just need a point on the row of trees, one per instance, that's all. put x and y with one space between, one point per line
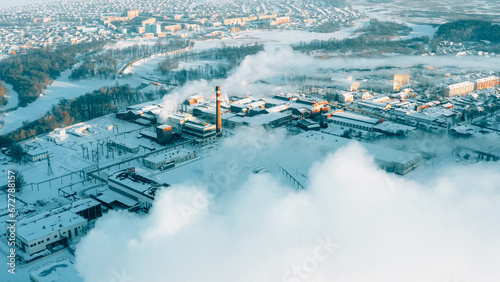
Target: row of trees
365 44
161 46
31 73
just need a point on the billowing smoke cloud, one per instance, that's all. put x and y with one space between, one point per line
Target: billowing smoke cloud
353 222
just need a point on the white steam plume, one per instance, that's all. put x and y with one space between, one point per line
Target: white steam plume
354 222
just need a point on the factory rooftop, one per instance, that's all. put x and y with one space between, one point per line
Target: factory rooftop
46 223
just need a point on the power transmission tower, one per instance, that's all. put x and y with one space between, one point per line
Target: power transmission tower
49 166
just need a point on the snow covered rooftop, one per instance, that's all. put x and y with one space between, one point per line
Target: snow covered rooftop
169 155
46 223
265 119
62 270
355 117
134 179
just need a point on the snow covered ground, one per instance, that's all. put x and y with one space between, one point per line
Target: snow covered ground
61 88
420 30
145 67
277 38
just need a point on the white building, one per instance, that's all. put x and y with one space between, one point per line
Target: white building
459 89
169 159
57 136
36 155
56 227
353 120
49 229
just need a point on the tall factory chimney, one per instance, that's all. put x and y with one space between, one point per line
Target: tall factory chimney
218 125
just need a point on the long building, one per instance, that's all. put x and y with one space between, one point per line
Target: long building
57 227
459 89
487 82
169 159
204 132
354 120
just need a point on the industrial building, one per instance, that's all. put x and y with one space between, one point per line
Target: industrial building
204 132
371 105
125 147
354 120
57 227
195 99
269 120
164 134
177 120
457 89
169 159
58 135
133 185
307 125
36 155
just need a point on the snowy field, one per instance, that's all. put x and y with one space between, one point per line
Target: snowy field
278 38
420 30
61 88
145 67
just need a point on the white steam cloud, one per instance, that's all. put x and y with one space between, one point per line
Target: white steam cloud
354 222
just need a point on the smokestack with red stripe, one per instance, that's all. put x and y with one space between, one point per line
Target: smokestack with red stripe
218 126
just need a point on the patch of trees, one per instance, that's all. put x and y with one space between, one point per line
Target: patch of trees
139 51
233 55
469 30
3 93
201 72
382 28
365 44
104 64
31 73
101 65
86 107
329 26
229 57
